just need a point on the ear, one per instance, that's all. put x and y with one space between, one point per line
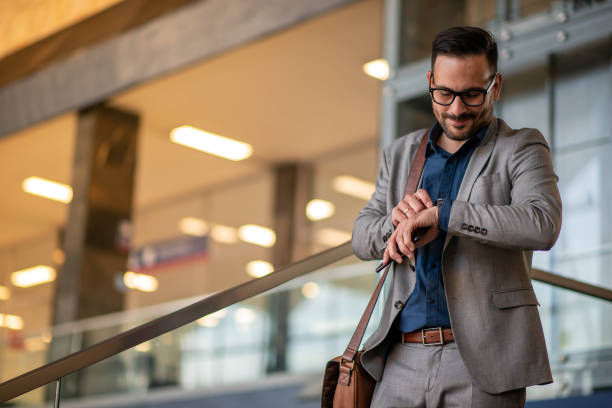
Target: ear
428 77
498 86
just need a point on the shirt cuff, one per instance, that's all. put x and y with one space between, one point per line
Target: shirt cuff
444 214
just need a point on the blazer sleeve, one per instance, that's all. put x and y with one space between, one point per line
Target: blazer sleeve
532 220
374 225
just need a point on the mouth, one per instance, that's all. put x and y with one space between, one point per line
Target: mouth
457 123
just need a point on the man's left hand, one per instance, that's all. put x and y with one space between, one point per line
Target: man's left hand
400 242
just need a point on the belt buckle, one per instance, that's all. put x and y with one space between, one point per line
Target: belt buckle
439 329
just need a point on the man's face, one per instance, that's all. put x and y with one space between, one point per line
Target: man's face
458 120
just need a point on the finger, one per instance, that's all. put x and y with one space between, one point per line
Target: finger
402 247
393 254
408 212
424 197
410 254
407 238
385 257
415 203
397 216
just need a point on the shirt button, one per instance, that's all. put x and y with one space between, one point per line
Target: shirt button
398 304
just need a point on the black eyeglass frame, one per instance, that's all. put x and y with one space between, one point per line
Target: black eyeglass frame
484 92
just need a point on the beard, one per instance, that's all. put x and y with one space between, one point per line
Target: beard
478 121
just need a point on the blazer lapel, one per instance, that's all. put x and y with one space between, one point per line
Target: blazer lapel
477 162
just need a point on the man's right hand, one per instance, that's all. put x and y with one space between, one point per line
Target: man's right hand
411 205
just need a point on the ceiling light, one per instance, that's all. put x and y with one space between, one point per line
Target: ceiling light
46 337
310 290
257 235
224 234
244 316
35 275
319 210
354 187
212 319
378 69
11 321
211 143
332 237
258 269
140 281
143 347
193 226
47 189
5 293
33 344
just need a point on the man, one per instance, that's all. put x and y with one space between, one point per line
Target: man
460 325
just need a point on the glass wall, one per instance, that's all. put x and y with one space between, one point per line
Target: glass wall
30 254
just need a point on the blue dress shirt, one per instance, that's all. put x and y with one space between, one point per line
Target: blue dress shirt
442 176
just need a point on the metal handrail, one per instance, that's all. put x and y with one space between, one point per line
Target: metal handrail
128 339
572 284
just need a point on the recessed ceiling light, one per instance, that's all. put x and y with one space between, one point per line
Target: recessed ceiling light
257 235
211 143
212 319
35 275
258 269
140 281
319 209
12 322
354 187
332 237
5 293
224 234
34 344
143 347
378 69
193 226
47 189
244 316
310 290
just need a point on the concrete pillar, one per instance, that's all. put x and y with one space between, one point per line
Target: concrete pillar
95 256
292 192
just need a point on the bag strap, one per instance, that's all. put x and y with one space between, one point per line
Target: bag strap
351 350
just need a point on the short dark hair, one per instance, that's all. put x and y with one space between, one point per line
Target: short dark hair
464 41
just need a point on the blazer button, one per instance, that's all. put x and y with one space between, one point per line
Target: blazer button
477 230
464 226
483 231
398 304
470 228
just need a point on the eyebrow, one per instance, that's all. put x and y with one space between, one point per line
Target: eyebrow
463 90
474 88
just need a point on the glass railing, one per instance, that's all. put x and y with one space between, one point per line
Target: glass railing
234 351
578 332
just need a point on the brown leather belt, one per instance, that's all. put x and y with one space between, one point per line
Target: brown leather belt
434 336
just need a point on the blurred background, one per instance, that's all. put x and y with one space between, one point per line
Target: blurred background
157 152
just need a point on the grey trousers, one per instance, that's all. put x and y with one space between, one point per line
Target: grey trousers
418 376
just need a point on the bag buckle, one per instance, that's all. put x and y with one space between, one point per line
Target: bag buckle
438 343
351 366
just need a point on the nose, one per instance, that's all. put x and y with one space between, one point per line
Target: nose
457 107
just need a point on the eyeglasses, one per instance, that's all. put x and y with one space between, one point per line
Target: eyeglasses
470 97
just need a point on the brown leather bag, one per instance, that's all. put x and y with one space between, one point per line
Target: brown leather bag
346 383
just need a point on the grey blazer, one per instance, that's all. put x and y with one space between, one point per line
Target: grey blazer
508 205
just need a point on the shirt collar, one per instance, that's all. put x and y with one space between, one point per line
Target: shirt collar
436 131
